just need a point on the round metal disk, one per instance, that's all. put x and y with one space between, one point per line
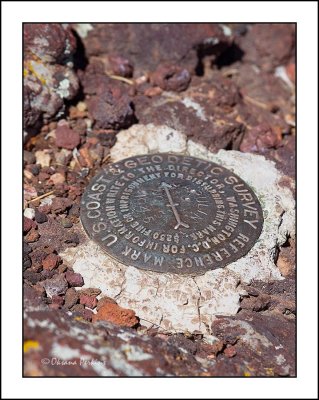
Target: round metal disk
171 213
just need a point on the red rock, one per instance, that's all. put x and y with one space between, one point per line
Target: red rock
148 45
50 42
88 301
71 298
47 50
261 138
50 262
261 45
230 351
32 236
111 108
45 209
171 77
116 314
66 137
74 280
60 204
216 347
27 224
121 66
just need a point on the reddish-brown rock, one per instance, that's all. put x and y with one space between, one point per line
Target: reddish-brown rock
171 77
27 224
260 138
74 280
66 137
88 301
121 66
50 42
111 109
148 45
32 236
268 45
116 314
48 76
50 262
71 298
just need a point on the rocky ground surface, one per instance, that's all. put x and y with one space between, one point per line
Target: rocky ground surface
225 87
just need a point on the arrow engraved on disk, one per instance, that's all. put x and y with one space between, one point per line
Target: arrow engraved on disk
173 205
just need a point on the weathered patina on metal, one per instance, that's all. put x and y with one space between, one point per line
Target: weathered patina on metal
171 213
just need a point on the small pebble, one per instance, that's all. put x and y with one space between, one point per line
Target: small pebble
33 168
71 298
88 301
55 286
40 217
60 204
57 178
47 201
29 213
116 314
48 274
66 223
43 158
153 91
61 157
28 157
28 174
50 262
90 292
43 176
27 224
62 268
66 137
29 192
81 106
26 262
77 308
26 248
32 277
74 280
32 236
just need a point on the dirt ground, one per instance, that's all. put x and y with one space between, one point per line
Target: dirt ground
83 83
